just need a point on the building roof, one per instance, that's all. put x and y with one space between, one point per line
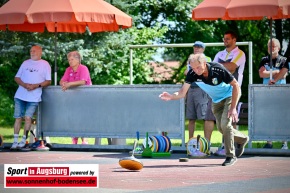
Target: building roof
164 71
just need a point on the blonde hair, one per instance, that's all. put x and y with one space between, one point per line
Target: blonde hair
74 54
197 57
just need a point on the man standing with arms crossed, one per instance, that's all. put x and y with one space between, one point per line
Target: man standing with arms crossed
233 59
279 72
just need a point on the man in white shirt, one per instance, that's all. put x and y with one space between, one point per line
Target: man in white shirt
32 76
234 60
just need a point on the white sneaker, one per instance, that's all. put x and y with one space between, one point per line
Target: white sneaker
14 145
284 146
220 152
21 144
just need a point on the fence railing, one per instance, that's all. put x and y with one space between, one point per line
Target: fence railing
110 112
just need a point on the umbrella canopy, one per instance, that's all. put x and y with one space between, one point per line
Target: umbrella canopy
62 16
211 10
243 10
285 5
249 9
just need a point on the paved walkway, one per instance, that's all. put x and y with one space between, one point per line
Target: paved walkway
250 174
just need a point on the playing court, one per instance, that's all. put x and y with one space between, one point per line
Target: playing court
251 174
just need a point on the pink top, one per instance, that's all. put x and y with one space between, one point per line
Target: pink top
82 73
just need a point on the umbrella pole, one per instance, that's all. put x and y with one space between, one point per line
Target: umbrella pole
271 36
55 54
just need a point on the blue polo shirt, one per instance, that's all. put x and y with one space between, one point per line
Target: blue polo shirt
216 85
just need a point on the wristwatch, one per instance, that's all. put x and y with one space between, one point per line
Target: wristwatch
39 85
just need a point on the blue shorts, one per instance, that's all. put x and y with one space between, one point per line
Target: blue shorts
24 108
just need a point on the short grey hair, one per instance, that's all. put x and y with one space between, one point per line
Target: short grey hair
276 41
37 47
74 54
197 57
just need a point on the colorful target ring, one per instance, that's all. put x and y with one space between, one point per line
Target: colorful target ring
169 146
167 143
163 143
206 145
155 144
202 144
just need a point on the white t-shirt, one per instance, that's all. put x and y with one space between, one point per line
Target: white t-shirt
236 56
32 72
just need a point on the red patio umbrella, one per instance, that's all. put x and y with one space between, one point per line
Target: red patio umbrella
69 15
211 10
247 9
285 5
62 16
242 10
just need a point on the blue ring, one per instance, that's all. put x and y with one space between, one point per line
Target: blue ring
162 144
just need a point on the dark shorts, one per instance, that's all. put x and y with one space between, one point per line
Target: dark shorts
196 104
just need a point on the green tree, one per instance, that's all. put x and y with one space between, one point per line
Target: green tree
106 54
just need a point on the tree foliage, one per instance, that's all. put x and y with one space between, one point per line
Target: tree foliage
106 54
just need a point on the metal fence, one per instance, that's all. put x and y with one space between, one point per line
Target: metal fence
269 112
110 112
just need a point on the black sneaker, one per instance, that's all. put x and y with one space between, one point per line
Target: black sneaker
241 147
229 161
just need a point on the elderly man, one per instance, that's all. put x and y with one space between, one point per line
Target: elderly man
32 76
197 100
279 72
224 91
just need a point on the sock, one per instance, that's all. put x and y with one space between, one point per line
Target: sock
23 139
26 134
16 138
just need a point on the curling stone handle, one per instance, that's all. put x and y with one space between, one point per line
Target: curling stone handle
197 142
138 135
134 147
147 145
